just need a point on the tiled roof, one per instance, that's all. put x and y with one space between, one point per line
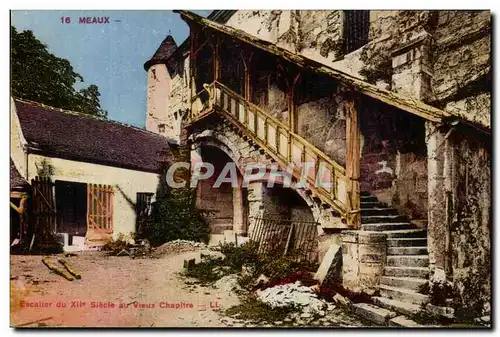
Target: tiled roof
162 54
17 182
221 16
82 137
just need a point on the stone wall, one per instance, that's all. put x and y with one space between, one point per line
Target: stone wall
321 118
178 97
159 84
462 67
363 260
393 158
277 103
313 33
462 50
471 219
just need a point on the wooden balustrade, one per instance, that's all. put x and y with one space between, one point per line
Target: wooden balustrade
321 174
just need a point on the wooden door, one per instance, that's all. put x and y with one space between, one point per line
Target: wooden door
71 206
99 212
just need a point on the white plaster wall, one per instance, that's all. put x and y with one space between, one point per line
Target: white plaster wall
159 83
17 141
128 181
260 23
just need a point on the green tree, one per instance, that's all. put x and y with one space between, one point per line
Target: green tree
39 75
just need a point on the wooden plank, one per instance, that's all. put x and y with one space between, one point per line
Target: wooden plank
353 166
111 208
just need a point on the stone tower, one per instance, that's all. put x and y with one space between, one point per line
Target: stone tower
159 87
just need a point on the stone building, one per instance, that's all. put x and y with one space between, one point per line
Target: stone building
391 107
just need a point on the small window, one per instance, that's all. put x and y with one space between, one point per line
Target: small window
161 128
143 203
356 29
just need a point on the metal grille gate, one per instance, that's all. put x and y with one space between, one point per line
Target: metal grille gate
288 237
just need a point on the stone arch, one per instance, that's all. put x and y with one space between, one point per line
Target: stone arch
242 152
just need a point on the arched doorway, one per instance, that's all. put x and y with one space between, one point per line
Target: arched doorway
225 204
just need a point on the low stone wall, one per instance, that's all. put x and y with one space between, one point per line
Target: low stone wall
363 260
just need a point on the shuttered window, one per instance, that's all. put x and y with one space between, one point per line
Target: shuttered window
100 208
356 29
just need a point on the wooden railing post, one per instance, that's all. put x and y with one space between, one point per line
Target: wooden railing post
353 165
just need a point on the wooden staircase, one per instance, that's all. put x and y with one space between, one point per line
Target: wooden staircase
327 182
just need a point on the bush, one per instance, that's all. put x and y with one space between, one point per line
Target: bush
275 266
237 256
255 310
206 271
175 216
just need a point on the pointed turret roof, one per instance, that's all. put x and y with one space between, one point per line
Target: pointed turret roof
164 51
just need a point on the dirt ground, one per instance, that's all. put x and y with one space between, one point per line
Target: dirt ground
121 292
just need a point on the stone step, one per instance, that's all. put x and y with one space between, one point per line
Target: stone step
220 228
402 321
403 295
373 313
383 218
401 307
420 272
408 260
412 283
406 242
369 198
365 194
367 211
380 227
406 233
371 204
407 250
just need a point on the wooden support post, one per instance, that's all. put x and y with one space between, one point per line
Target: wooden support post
353 165
192 69
215 49
291 77
292 104
246 57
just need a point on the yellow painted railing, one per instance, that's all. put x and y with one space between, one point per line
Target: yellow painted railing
324 176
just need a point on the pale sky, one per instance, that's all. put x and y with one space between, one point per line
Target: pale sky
108 55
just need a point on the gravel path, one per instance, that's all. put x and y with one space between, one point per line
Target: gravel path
122 292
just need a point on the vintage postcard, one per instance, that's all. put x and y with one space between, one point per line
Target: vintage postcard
250 168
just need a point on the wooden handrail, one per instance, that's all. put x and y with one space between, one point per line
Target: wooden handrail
307 144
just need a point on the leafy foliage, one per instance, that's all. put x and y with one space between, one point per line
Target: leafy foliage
46 169
275 266
255 310
39 75
175 216
207 271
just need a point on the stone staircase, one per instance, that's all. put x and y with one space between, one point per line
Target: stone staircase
407 265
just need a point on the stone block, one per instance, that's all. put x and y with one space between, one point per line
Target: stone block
403 321
331 266
435 310
229 236
373 313
79 241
